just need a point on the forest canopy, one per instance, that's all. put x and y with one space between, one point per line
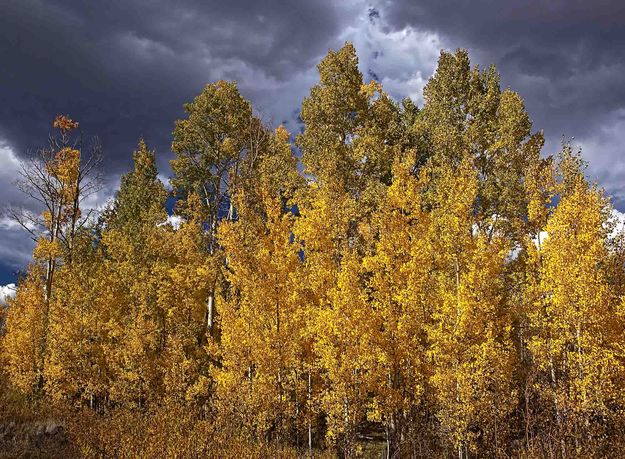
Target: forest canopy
432 284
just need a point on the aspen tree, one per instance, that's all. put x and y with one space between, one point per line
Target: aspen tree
344 150
219 134
185 278
260 386
470 343
575 347
540 191
399 270
133 239
22 330
466 113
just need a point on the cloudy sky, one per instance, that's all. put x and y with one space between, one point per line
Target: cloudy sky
123 68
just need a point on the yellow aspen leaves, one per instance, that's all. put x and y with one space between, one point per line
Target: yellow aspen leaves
395 281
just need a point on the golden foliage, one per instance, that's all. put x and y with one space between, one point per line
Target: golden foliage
431 286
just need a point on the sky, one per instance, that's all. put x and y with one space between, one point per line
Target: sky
124 68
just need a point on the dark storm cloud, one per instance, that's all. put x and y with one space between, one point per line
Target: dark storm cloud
566 58
124 68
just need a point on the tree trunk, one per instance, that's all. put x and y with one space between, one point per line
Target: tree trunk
309 414
210 311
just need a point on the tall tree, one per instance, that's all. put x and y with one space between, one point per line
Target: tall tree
134 241
215 145
466 113
576 346
398 285
353 133
260 383
185 278
470 344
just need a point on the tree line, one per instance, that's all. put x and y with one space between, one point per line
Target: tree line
430 285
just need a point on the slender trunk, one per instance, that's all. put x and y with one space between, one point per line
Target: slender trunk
231 211
280 364
390 425
74 219
580 362
50 269
348 433
457 292
557 405
580 365
210 314
527 416
309 413
460 455
45 325
210 306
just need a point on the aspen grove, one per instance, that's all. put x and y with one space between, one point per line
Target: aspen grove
395 281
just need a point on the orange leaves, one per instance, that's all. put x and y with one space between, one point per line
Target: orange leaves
64 123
